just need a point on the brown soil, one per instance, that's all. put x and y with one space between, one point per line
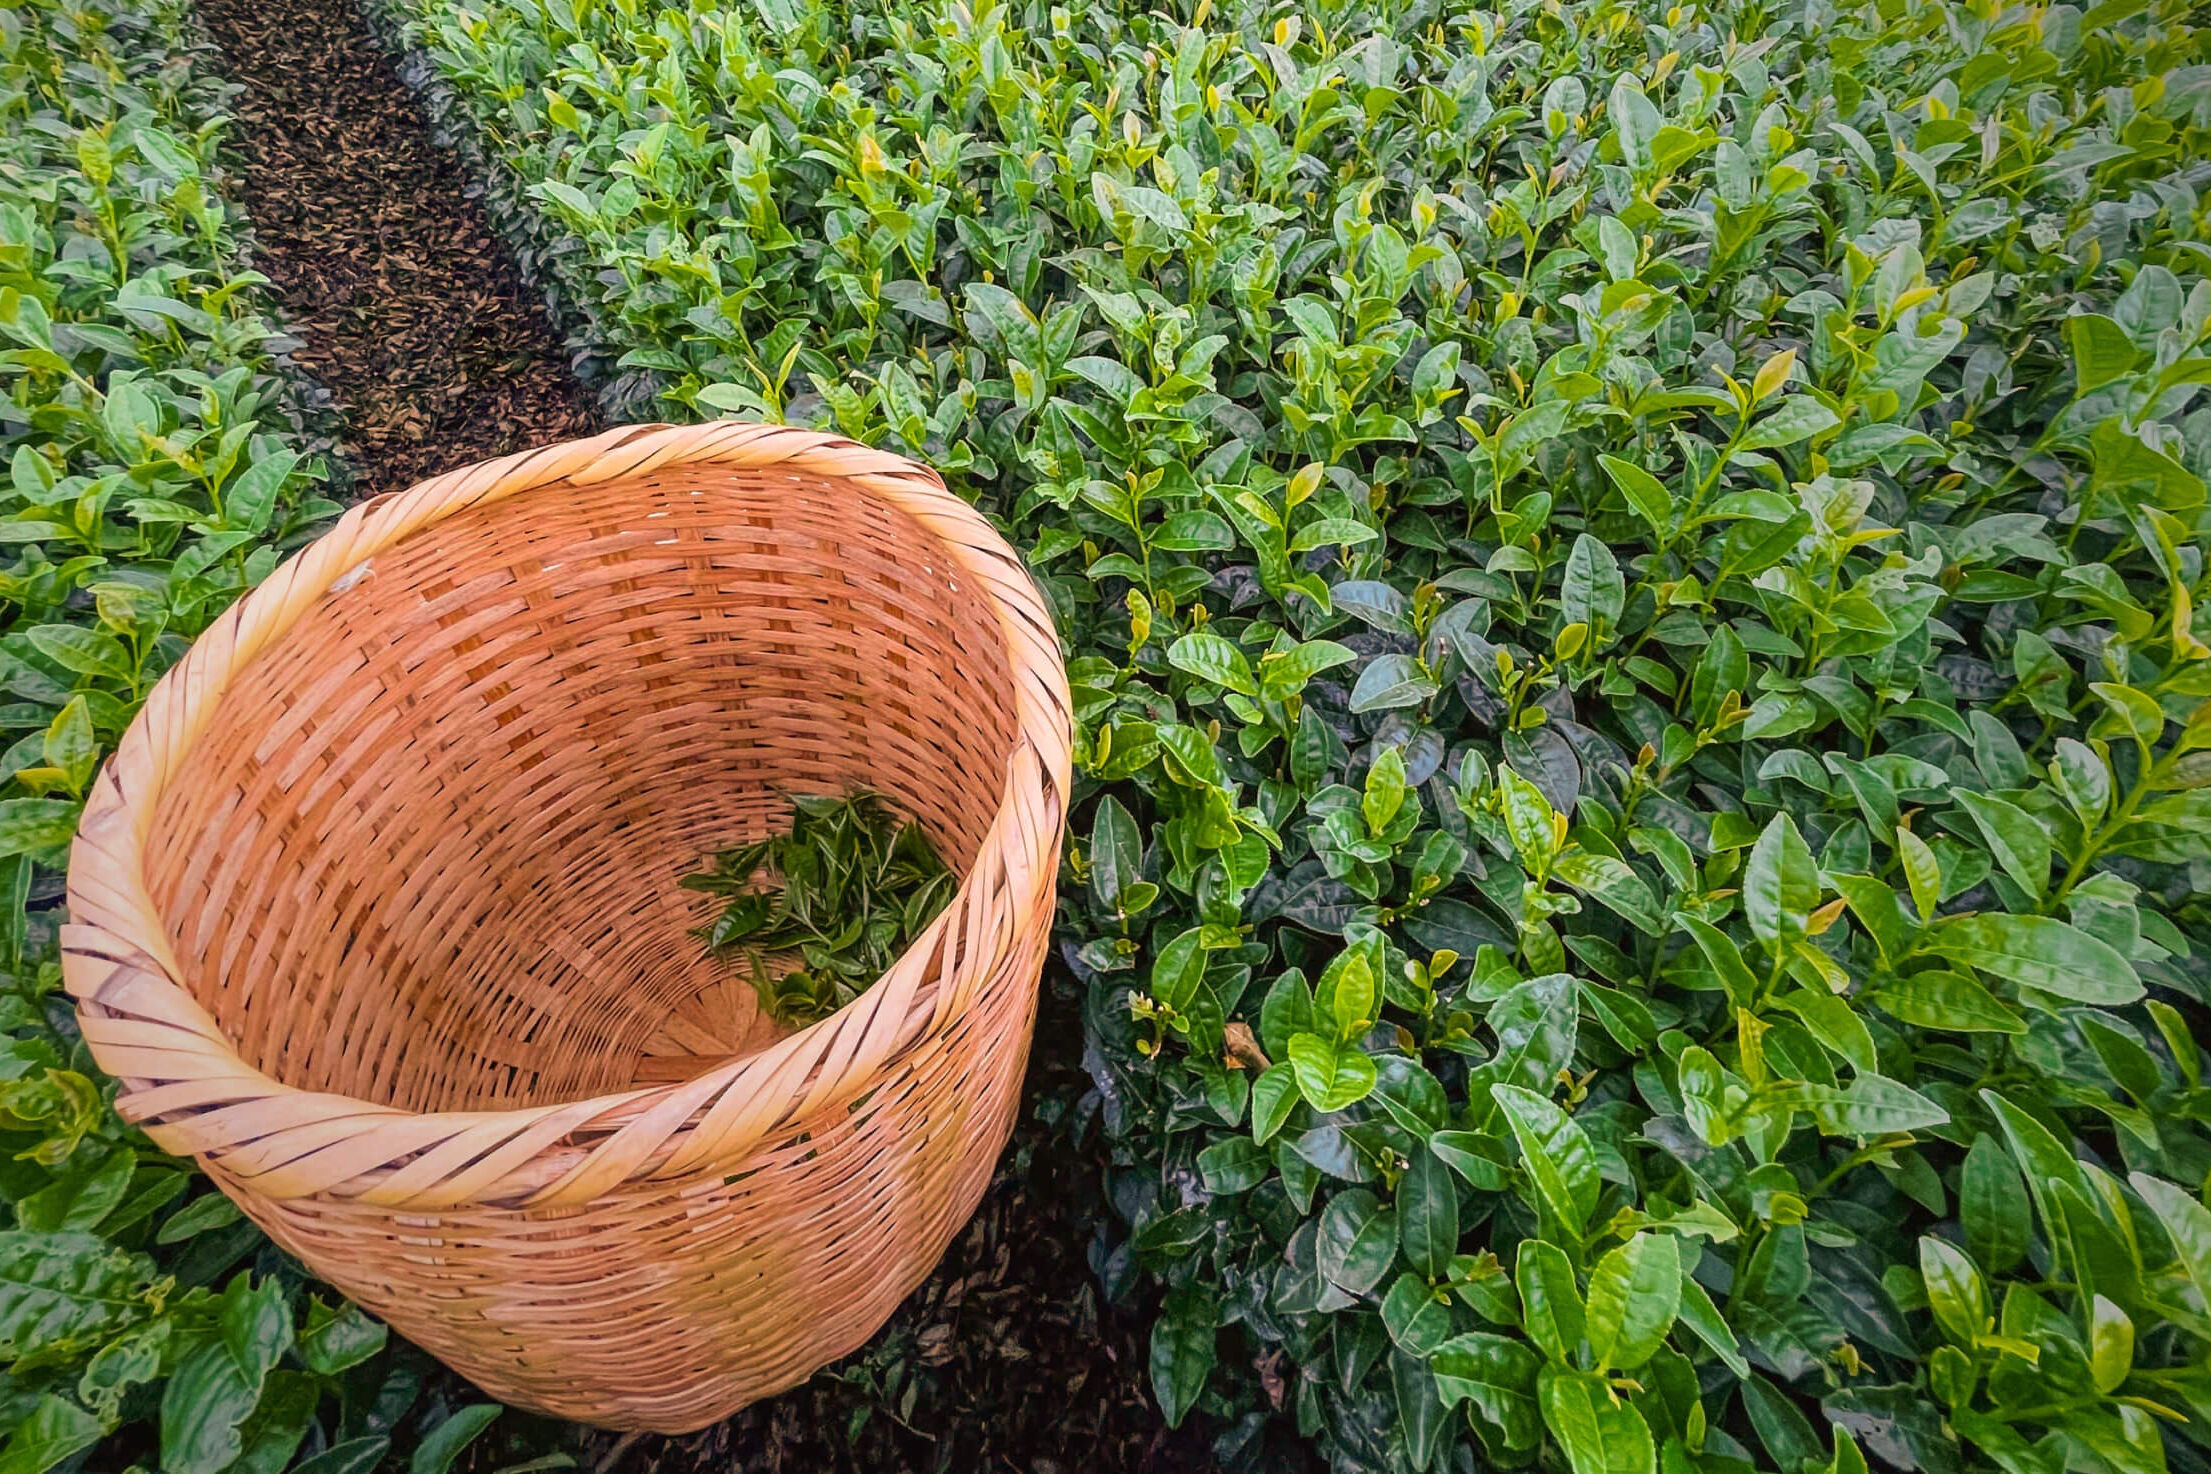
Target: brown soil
435 351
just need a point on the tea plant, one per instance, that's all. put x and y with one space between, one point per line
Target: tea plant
1633 576
839 895
154 472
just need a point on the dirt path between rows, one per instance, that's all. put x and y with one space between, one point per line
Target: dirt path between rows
411 313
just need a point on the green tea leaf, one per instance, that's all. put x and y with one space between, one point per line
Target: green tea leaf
1594 592
54 1429
1799 417
1179 969
1330 1075
1428 1214
354 1456
2110 1345
1183 1350
1781 884
444 1443
1551 1304
1555 1153
1704 1320
2187 1223
1634 1294
1599 1433
1211 658
338 1337
1954 1290
2019 842
1993 1206
1948 1000
1645 492
2039 952
1358 1241
1498 1376
1874 1105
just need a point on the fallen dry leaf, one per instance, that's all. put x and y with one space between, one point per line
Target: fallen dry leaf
1241 1049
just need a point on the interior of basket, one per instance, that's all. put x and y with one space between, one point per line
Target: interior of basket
429 851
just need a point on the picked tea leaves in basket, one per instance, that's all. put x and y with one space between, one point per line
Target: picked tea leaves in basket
841 894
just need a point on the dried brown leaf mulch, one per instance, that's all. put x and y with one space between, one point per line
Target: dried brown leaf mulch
412 315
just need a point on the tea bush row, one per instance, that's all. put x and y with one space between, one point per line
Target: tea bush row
1634 577
155 467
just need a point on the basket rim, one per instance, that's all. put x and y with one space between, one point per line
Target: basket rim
186 1085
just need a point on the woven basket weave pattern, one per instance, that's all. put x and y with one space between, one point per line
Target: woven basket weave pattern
376 910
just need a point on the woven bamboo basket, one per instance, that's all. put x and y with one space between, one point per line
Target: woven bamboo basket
375 911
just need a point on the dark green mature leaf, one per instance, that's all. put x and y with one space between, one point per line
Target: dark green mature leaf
1594 591
2043 1160
1498 1375
1233 1165
1116 852
1183 1349
444 1443
1940 999
1358 1241
354 1456
1418 1321
1645 492
1179 969
1421 1412
1993 1206
1610 881
210 1210
54 1429
1389 682
1535 1025
29 825
278 1424
338 1337
207 1398
1781 1426
254 1324
1428 1214
2018 841
1875 1105
2187 1223
1703 1318
1725 957
86 1192
66 1288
